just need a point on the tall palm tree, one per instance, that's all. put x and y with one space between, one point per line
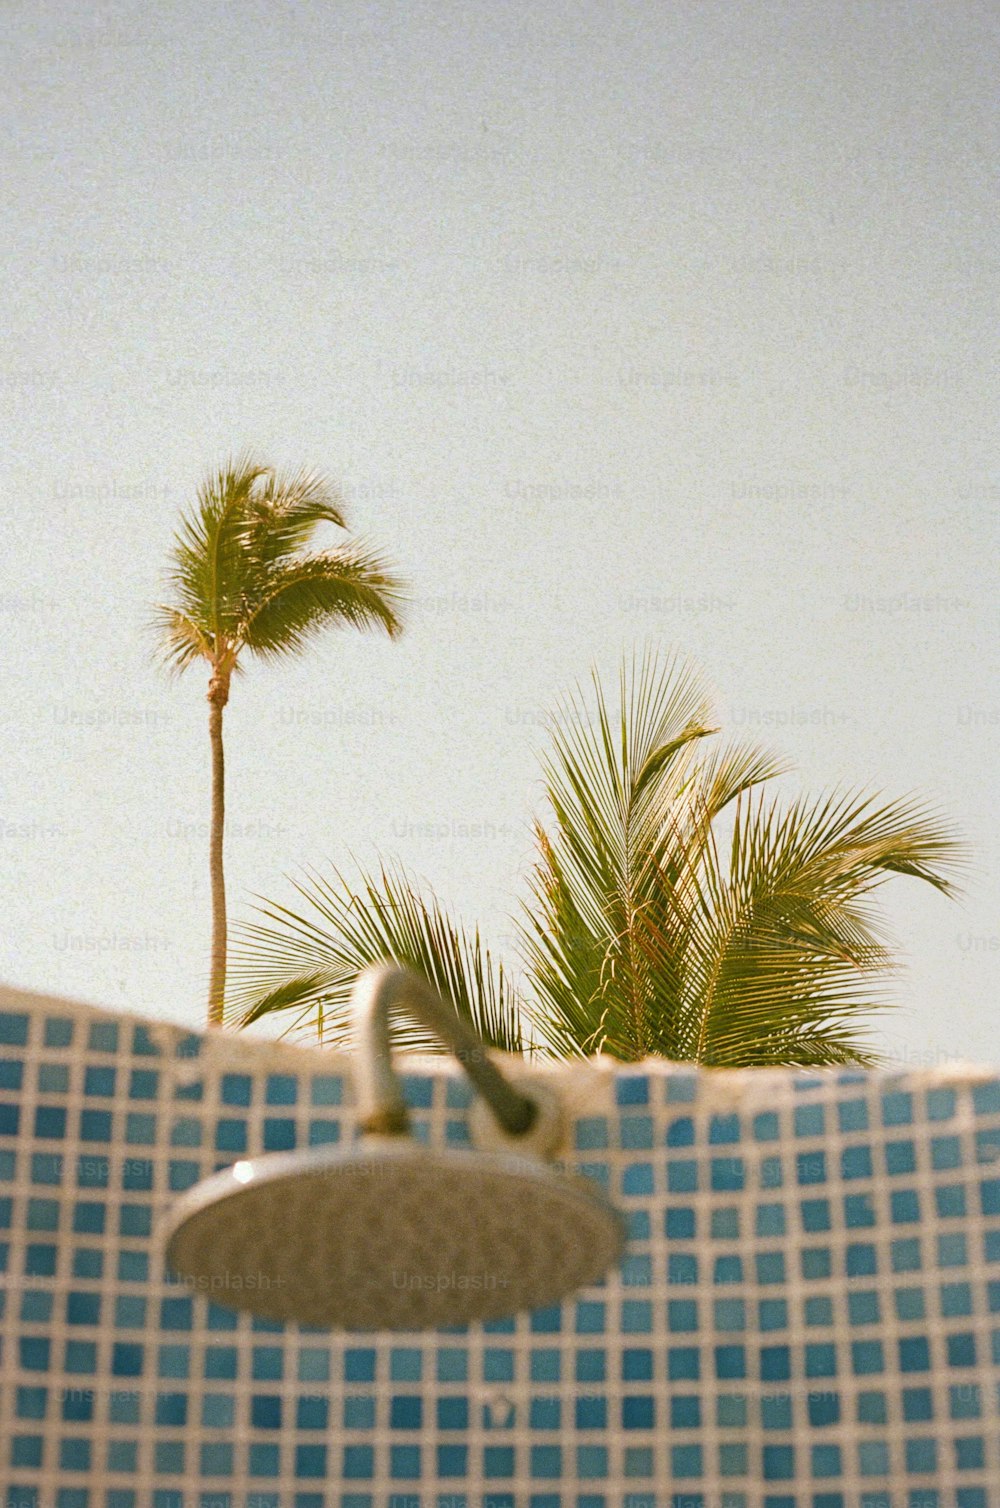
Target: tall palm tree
245 582
676 906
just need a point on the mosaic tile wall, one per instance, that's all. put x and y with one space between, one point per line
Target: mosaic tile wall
807 1315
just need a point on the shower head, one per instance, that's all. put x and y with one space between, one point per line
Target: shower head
391 1234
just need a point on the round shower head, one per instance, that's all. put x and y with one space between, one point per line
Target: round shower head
391 1235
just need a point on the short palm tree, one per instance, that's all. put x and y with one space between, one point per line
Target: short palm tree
676 907
245 582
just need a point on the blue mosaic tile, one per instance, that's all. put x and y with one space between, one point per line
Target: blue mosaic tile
807 1314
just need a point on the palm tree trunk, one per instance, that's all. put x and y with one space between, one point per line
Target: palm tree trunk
218 695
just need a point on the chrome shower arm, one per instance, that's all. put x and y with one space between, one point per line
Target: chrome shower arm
378 992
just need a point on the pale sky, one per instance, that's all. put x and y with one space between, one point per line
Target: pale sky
668 322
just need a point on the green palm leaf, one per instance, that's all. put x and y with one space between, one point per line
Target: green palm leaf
633 797
785 944
210 557
308 960
286 509
302 597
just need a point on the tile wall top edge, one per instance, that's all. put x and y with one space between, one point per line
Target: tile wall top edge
717 1088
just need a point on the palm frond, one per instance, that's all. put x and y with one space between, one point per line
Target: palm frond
210 561
287 508
181 641
565 955
728 771
632 793
351 585
308 961
784 942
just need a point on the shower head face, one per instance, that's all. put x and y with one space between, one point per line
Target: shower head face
390 1235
